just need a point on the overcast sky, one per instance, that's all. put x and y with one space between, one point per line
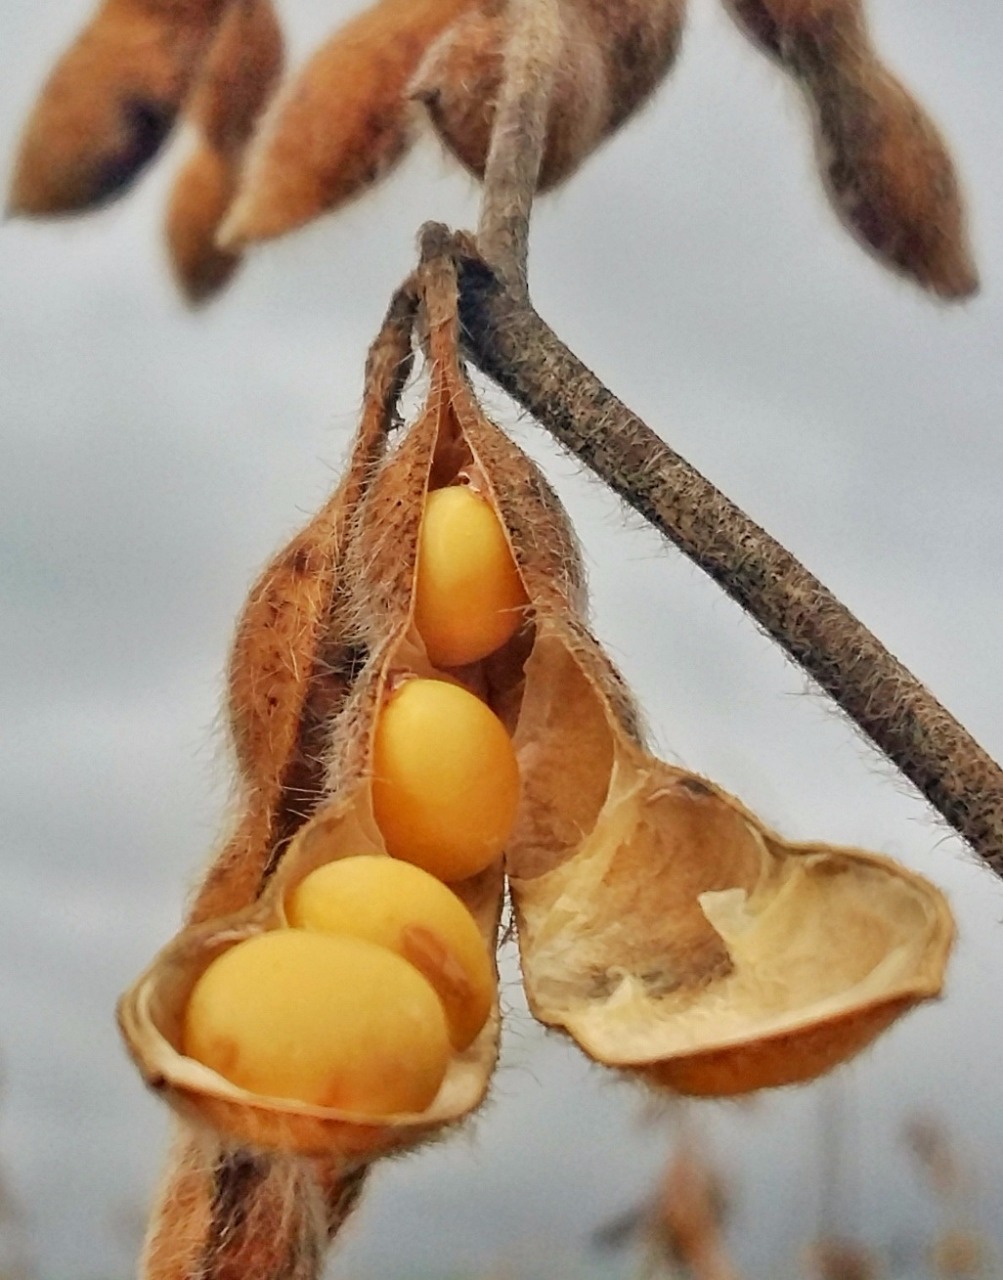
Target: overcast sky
154 459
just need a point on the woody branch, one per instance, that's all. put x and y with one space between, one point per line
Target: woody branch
518 136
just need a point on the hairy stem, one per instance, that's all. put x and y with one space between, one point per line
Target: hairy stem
518 136
508 341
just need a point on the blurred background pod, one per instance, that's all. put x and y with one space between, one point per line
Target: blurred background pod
340 123
887 170
236 81
612 58
109 103
239 75
200 196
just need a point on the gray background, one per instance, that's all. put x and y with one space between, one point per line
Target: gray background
153 459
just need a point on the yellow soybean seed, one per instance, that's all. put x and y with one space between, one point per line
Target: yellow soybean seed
329 1021
469 597
445 779
399 906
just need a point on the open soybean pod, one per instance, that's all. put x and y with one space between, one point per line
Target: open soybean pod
219 1209
372 608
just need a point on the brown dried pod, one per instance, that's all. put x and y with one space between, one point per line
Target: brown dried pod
611 60
373 611
240 73
341 124
109 103
199 199
292 662
226 1213
839 1258
886 167
238 77
219 1212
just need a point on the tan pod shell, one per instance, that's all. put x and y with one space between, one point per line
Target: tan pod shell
667 930
375 584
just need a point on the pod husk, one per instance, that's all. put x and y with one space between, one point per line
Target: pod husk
293 660
668 930
220 1209
660 923
340 124
886 168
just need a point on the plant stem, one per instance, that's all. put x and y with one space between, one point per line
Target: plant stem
518 137
507 339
